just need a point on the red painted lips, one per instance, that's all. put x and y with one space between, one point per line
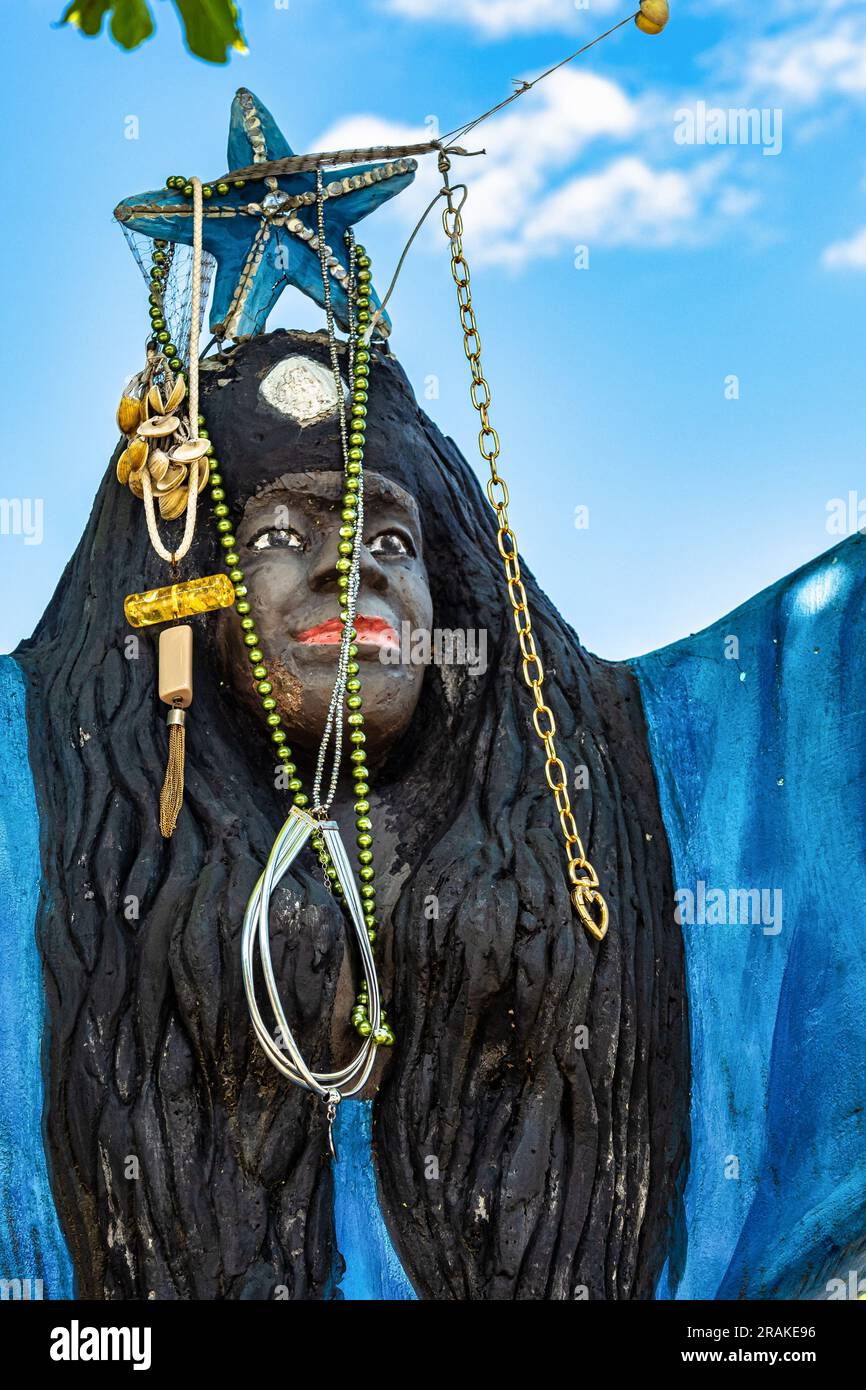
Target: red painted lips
376 632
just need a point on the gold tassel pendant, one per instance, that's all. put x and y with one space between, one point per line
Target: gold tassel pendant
171 796
175 689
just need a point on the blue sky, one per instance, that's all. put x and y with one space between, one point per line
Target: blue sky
611 383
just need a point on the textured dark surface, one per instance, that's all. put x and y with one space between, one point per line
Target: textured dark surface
558 1167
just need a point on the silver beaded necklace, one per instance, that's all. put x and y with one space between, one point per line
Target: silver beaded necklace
300 825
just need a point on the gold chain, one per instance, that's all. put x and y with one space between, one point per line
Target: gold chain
585 895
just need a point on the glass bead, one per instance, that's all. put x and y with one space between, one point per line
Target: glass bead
179 600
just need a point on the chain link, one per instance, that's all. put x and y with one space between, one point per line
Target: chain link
585 895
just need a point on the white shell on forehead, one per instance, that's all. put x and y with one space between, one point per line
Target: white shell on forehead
302 389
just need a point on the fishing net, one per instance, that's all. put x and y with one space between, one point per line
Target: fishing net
177 294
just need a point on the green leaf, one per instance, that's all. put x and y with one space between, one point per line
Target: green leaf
86 15
131 22
212 28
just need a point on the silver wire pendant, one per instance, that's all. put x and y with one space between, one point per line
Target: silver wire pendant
334 1086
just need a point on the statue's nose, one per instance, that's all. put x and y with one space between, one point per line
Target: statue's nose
324 574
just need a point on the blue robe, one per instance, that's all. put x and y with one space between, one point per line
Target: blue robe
756 731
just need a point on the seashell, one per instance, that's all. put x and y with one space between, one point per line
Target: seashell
132 459
178 392
174 505
154 401
136 486
172 478
128 414
203 473
191 449
158 465
158 426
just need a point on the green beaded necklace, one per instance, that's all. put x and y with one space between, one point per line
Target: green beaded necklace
353 475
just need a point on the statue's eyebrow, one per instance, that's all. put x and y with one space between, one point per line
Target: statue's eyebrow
311 490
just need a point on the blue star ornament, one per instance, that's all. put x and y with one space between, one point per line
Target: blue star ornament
263 231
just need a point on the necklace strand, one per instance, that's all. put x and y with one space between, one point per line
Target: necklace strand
353 438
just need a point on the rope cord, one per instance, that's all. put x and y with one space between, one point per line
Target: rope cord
173 558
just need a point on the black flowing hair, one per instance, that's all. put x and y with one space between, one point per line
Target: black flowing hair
531 1129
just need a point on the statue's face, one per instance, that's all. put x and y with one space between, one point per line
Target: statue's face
288 541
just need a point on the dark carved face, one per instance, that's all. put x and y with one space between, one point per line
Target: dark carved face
288 540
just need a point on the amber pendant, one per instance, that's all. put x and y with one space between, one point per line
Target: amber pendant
179 600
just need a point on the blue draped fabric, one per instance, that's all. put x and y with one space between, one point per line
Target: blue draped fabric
759 746
373 1271
32 1247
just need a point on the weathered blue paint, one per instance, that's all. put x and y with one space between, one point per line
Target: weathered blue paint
32 1247
761 764
373 1271
286 260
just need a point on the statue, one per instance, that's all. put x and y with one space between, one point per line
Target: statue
550 1112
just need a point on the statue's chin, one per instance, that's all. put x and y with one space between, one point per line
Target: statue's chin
303 686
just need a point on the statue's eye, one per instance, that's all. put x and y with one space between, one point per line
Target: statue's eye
273 538
390 543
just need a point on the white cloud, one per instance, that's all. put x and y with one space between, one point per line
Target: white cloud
497 19
628 202
527 200
847 255
810 62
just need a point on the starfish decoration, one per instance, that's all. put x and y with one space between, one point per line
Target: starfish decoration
264 234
